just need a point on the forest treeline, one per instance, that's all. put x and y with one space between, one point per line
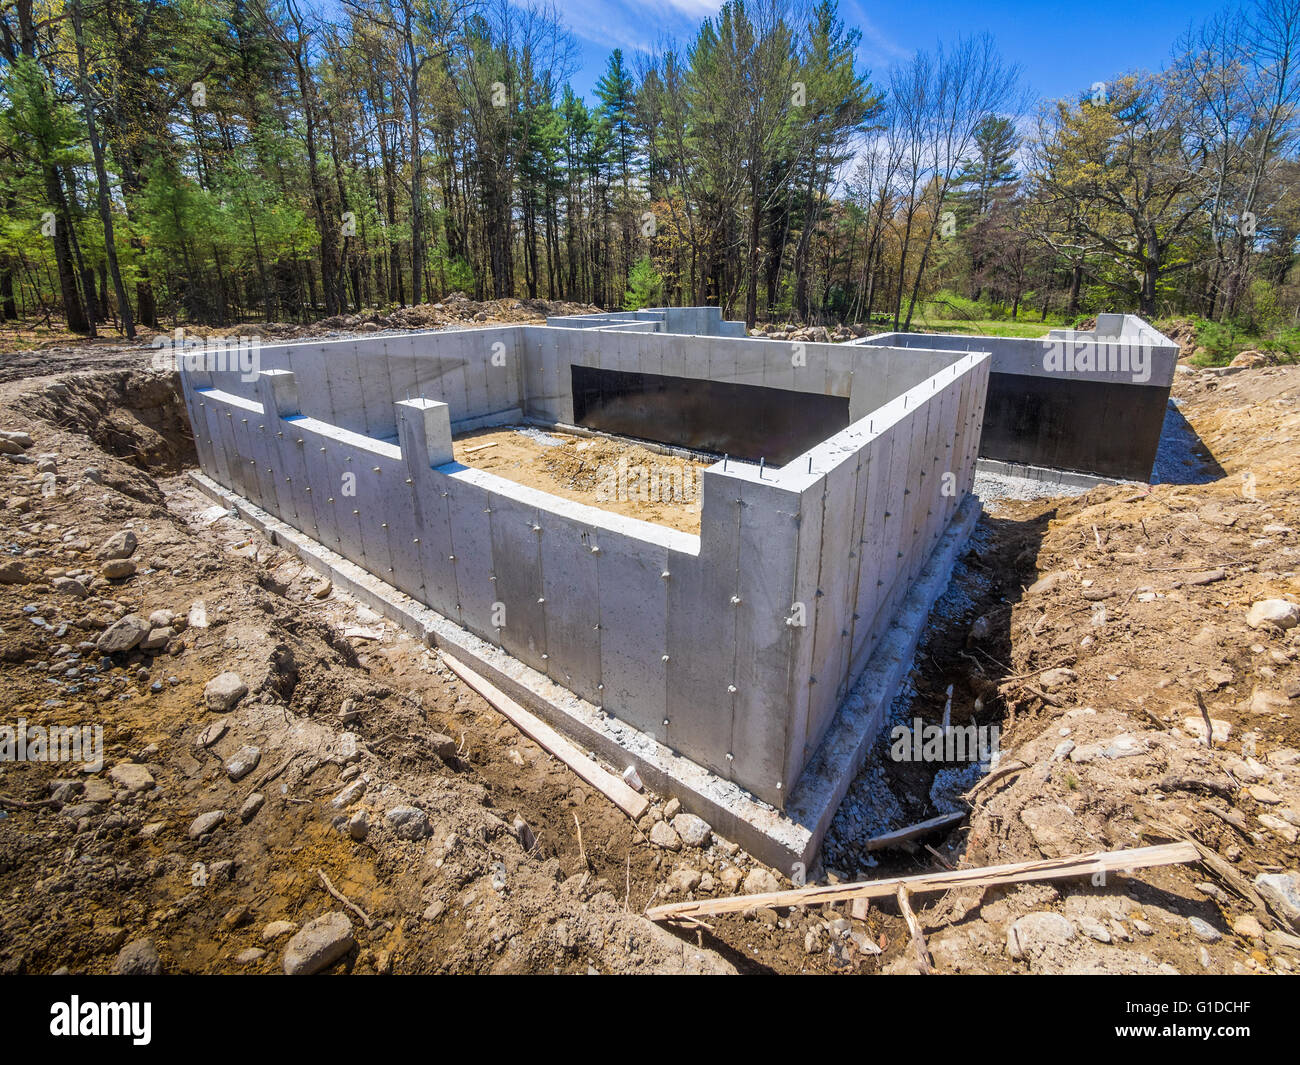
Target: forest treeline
167 162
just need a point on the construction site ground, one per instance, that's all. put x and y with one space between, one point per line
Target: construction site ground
610 473
1084 628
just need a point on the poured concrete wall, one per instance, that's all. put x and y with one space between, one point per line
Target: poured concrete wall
694 321
733 647
1092 401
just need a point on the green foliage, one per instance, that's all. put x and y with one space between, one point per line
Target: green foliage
645 286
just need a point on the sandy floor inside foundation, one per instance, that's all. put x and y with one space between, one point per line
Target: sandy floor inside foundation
616 475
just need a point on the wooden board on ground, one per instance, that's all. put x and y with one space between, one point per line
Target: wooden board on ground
540 732
987 876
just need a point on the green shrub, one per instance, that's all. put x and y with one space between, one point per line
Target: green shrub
645 286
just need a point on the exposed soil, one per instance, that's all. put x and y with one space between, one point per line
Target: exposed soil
88 865
615 475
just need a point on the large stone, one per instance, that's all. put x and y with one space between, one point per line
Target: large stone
1273 612
119 545
1282 892
243 762
12 572
663 835
223 691
131 776
1038 933
139 958
760 881
69 586
694 830
206 822
319 945
409 822
122 635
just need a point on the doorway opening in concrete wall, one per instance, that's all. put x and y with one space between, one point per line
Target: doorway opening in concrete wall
753 422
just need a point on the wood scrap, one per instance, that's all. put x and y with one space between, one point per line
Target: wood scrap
909 832
480 447
612 787
1071 867
923 960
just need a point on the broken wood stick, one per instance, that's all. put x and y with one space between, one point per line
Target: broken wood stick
902 835
923 959
541 733
1016 872
365 918
480 447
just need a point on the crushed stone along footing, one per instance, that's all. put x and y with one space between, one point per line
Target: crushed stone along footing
786 841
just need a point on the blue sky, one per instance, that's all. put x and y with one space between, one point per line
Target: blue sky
1062 47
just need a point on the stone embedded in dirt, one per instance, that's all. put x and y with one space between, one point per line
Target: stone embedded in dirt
223 691
350 794
1047 583
319 945
206 822
1035 933
161 619
18 436
695 831
1248 927
251 805
1265 702
1273 612
276 929
684 881
1093 928
1125 745
9 447
249 956
760 881
69 586
243 762
359 825
93 474
157 639
662 835
409 822
132 776
119 545
13 573
211 734
443 746
1282 892
730 878
323 590
1052 679
122 635
139 958
1283 829
672 809
523 833
117 569
1220 730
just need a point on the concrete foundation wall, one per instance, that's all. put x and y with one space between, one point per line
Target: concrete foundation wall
694 321
733 647
1090 401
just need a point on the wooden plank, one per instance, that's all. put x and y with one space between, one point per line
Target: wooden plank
987 876
540 732
902 835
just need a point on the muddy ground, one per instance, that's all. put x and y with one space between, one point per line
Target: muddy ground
1084 627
